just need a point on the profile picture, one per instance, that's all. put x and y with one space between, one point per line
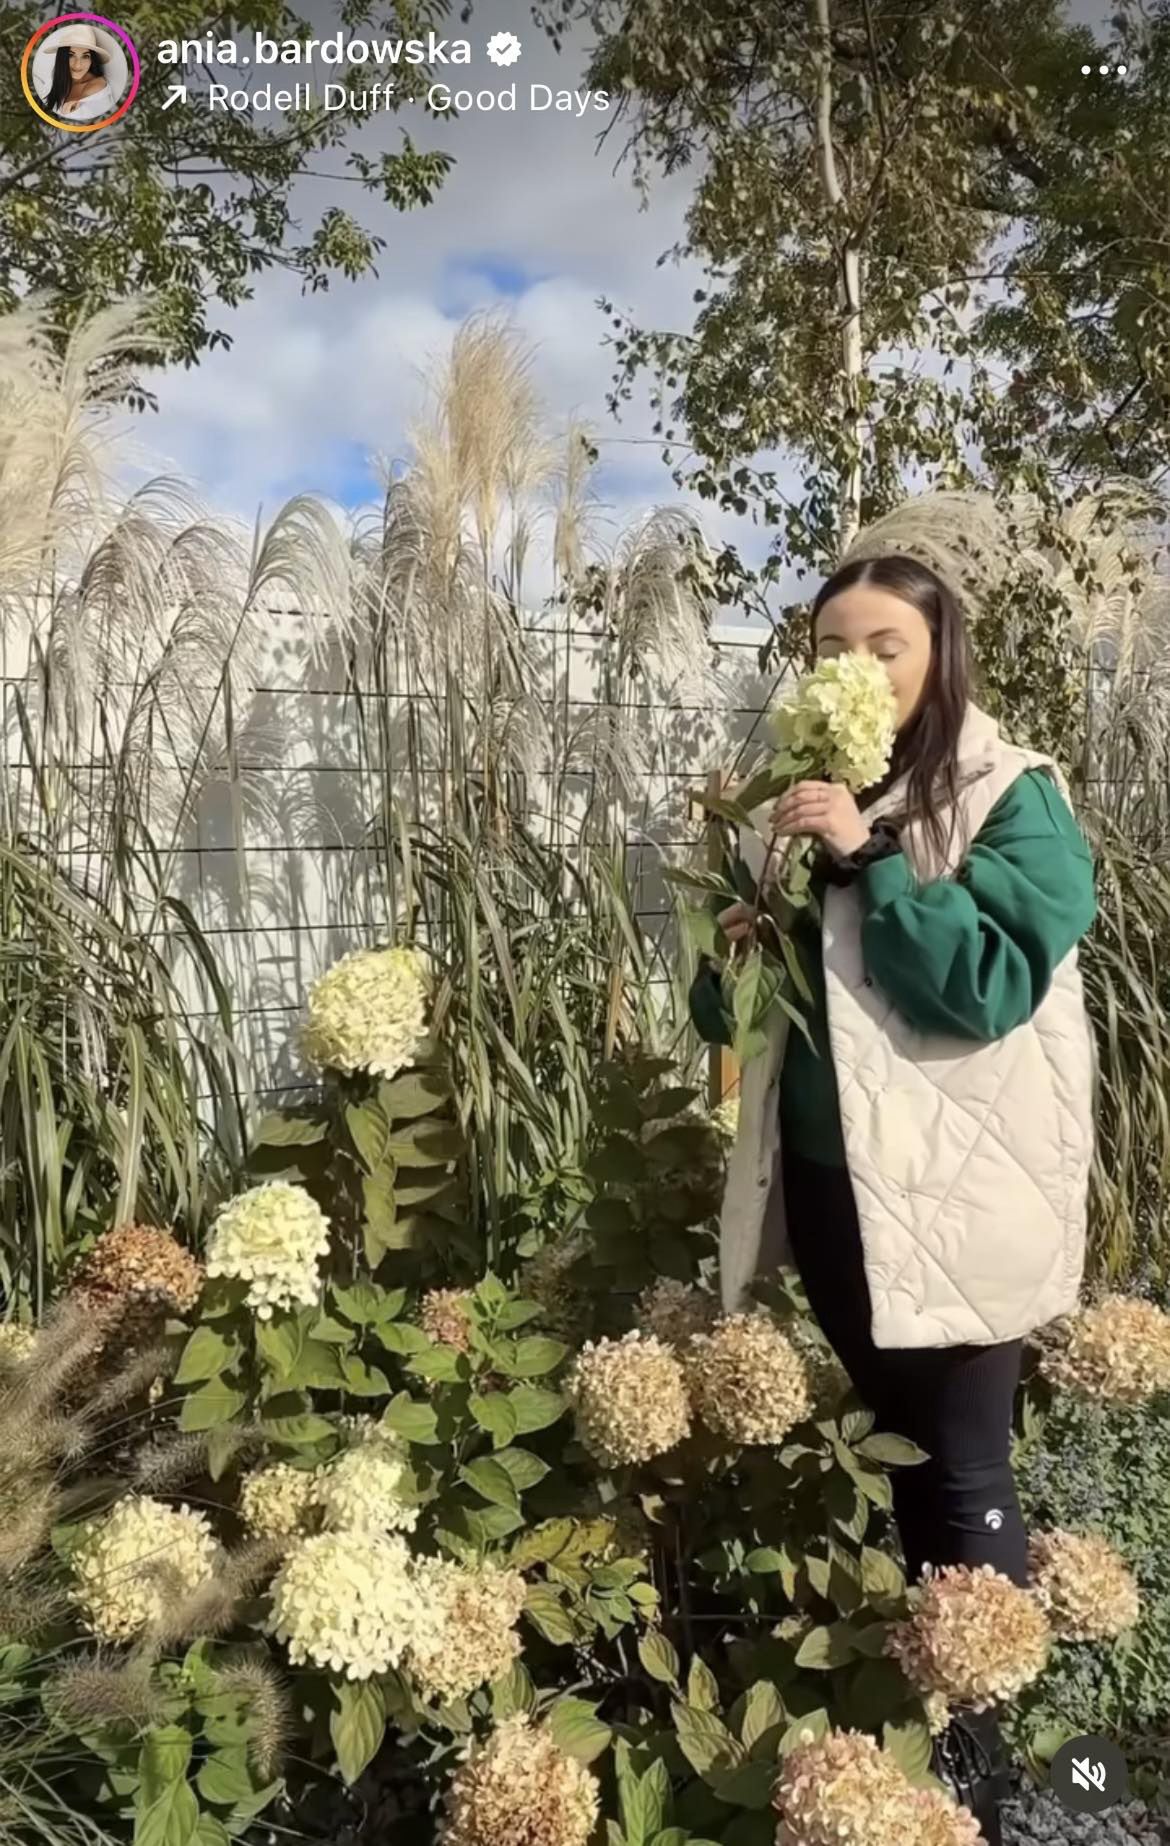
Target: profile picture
80 72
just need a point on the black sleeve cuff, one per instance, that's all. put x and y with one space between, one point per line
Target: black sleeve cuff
884 841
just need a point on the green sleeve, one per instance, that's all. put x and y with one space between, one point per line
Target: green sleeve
973 956
711 1019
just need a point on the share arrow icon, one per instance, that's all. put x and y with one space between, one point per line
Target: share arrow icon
176 94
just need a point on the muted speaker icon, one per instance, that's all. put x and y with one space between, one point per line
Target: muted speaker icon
1088 1774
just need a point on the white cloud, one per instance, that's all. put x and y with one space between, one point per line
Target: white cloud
311 385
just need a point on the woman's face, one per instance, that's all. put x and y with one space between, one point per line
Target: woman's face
865 619
78 63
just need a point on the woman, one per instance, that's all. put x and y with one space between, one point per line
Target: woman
925 1163
80 90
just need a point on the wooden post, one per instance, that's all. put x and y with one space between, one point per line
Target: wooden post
722 1064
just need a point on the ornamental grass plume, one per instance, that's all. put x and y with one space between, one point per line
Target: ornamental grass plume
347 1601
443 1317
843 1790
746 1380
1083 1585
272 1237
519 1789
1117 1352
138 1265
672 1311
839 723
368 1012
973 1636
630 1399
278 1500
138 1561
471 1636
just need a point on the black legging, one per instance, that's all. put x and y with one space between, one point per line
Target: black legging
960 1506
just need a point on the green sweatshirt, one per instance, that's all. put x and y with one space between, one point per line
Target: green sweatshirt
970 956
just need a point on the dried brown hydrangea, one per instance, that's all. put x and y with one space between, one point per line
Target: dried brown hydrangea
843 1790
519 1789
747 1381
974 1636
443 1317
1083 1585
1118 1351
469 1637
141 1266
673 1311
630 1399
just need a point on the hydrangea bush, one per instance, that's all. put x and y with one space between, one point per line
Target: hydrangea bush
549 1548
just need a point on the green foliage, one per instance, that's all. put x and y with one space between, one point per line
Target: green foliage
1087 1468
144 217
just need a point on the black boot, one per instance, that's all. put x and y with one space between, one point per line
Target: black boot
971 1762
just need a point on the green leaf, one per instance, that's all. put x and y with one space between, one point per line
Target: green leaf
363 1380
425 1144
211 1832
370 1133
331 1332
492 1481
400 1336
206 1354
412 1094
548 1615
496 1414
357 1725
214 1403
513 1693
577 1730
542 1544
658 1657
823 1648
288 1131
748 1785
536 1356
534 1408
891 1451
442 1365
225 1778
414 1421
910 1746
166 1812
526 1470
764 1718
297 1432
489 1523
364 1303
764 1561
643 1802
705 1740
810 1728
702 1687
880 1576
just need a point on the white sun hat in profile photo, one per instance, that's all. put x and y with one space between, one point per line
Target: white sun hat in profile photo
84 37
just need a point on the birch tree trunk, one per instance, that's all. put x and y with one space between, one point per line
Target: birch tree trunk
848 292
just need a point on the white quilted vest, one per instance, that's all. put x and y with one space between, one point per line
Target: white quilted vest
969 1162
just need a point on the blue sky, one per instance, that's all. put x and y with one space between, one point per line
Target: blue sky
534 217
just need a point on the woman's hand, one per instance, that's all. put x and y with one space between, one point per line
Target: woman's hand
827 811
737 921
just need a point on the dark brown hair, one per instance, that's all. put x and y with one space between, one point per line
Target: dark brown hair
926 751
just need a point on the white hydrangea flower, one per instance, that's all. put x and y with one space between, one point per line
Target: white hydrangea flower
840 721
276 1501
272 1237
725 1119
361 1490
133 1565
16 1342
347 1601
368 1012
